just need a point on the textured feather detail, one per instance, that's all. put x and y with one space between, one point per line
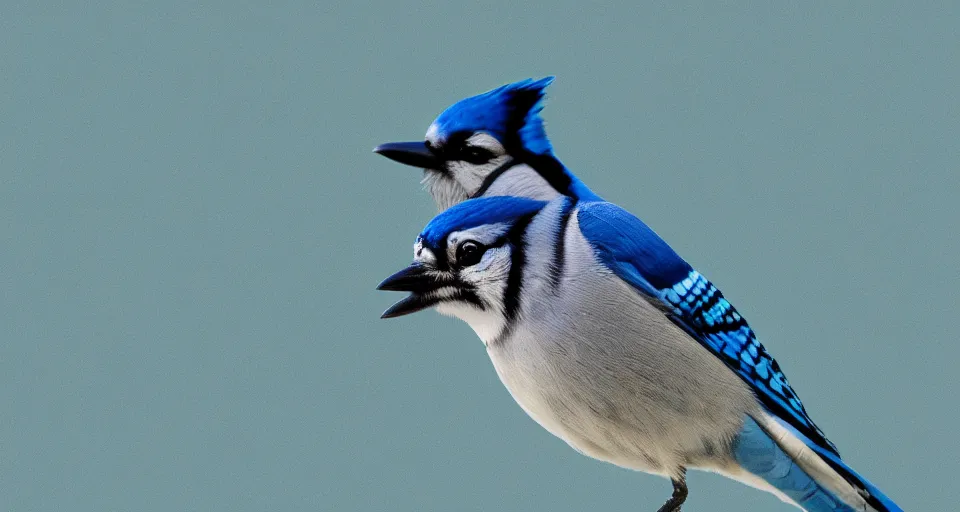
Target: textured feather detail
790 439
526 99
621 240
510 112
700 304
760 454
640 257
484 210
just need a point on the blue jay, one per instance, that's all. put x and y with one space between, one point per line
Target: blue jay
613 343
489 145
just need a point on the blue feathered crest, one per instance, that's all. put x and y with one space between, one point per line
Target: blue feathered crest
510 112
477 212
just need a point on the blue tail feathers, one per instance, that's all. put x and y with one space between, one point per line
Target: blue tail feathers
873 496
759 454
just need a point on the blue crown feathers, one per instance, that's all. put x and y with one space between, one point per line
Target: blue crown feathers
477 212
511 113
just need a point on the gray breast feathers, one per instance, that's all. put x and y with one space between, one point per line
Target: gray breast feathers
601 367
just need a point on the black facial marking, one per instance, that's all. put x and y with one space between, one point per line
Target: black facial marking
475 155
469 296
440 255
496 173
511 294
556 266
517 262
455 148
547 166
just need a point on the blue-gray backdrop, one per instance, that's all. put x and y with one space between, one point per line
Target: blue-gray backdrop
192 226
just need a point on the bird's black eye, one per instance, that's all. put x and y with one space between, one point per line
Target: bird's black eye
469 253
474 155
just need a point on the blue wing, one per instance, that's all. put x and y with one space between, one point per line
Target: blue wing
636 254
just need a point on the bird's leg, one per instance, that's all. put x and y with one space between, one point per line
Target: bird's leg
679 493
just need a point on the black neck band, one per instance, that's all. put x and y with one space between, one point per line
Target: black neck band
488 181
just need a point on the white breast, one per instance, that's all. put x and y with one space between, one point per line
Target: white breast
599 366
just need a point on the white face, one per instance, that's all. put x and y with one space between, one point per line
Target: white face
478 261
467 163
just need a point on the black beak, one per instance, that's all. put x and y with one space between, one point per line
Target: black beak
410 153
419 282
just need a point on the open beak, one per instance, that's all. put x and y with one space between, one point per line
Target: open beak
419 281
415 154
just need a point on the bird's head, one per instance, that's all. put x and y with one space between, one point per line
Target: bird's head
467 263
477 140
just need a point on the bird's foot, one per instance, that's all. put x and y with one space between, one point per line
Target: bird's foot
679 494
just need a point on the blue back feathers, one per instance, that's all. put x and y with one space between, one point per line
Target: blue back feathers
636 254
477 212
625 244
511 113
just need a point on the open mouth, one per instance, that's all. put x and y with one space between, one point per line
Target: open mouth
426 289
423 285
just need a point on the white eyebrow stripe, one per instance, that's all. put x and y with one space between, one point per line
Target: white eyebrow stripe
423 254
486 234
484 140
433 133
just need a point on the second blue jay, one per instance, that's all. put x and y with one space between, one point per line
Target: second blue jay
491 144
612 342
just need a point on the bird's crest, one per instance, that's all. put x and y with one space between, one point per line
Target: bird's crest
510 112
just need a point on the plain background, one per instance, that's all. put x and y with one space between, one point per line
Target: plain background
192 226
